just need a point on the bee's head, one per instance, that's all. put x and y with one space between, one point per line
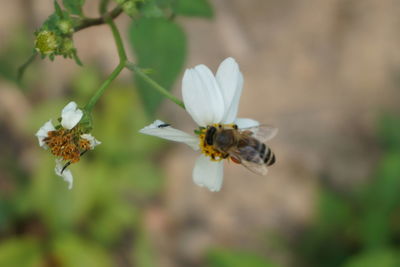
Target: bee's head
211 130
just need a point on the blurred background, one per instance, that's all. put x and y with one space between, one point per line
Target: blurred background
326 73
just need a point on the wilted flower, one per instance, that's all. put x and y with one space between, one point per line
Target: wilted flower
210 100
67 141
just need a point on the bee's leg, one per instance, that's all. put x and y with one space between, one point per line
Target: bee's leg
235 160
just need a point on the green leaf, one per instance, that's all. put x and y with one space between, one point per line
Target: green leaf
159 44
58 9
150 9
194 8
382 258
227 258
74 6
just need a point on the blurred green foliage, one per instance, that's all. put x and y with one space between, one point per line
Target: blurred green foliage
360 227
231 258
86 226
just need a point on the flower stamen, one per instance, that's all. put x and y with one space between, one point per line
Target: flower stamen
67 144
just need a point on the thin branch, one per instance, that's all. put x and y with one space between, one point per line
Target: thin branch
88 22
131 66
122 61
21 69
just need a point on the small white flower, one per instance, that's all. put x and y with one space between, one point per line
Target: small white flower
93 141
209 100
66 142
66 174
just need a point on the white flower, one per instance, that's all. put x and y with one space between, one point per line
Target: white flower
70 116
66 142
66 174
209 100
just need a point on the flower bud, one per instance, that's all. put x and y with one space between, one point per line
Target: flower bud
65 26
46 42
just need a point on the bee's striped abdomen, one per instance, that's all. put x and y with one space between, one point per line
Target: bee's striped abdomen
267 155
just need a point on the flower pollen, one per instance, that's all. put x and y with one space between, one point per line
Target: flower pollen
207 149
66 144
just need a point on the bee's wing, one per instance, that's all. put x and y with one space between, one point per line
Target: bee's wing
262 132
256 165
260 169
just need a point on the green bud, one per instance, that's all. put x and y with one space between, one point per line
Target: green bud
65 26
67 46
130 8
46 42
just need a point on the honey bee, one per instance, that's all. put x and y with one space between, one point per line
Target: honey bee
243 146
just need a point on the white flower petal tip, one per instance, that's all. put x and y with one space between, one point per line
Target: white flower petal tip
230 80
246 123
70 115
66 174
202 96
163 130
208 173
93 141
43 133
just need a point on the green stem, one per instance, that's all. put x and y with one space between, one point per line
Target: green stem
131 66
88 22
21 69
118 41
122 61
89 106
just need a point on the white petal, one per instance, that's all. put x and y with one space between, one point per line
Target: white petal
161 129
43 133
246 123
66 174
230 80
208 173
93 141
70 115
202 96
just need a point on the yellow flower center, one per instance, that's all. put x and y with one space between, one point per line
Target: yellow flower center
67 144
210 150
46 42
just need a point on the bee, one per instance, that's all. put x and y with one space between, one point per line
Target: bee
243 146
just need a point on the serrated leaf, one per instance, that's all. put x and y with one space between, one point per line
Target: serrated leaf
194 8
159 44
74 6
